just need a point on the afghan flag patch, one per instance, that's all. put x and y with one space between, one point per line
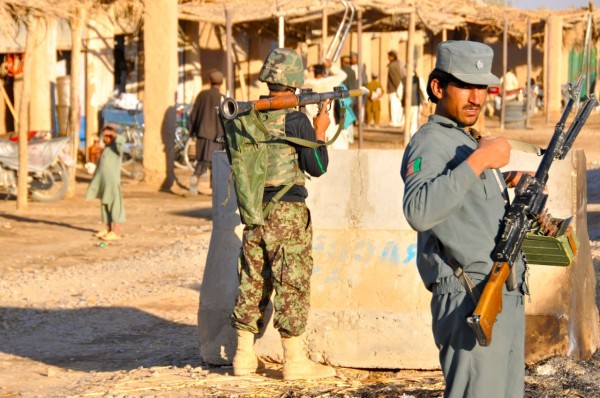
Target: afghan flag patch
413 167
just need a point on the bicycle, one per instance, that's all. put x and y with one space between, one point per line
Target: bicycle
185 143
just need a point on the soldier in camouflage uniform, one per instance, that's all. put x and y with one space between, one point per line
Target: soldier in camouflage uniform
276 256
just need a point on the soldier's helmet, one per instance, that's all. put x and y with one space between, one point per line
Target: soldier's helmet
284 67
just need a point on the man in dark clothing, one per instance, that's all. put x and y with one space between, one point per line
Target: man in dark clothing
350 81
395 88
276 256
359 71
207 129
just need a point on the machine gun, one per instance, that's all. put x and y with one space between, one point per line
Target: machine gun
525 214
231 108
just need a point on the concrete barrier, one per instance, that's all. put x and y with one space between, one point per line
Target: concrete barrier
369 308
562 317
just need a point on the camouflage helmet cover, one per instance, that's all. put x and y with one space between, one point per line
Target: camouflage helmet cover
283 66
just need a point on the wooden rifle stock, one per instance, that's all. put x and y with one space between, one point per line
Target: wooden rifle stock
489 305
231 108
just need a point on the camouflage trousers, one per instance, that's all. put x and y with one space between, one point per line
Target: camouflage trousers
276 257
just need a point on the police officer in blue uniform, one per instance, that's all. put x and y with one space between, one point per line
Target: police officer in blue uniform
455 198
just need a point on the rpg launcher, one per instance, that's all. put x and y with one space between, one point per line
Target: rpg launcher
231 108
527 219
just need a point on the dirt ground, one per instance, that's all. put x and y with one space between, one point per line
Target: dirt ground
79 320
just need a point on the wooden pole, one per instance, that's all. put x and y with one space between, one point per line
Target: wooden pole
324 32
360 76
22 183
160 92
281 32
229 44
528 95
410 56
9 104
545 74
504 68
77 25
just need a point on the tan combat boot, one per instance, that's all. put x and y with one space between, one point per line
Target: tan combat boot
245 360
193 185
297 366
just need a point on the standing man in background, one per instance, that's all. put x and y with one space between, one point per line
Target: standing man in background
326 77
419 97
207 129
395 87
362 72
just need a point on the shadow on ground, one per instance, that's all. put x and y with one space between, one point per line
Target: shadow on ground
32 220
97 338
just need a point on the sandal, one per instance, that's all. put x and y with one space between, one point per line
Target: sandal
111 236
101 234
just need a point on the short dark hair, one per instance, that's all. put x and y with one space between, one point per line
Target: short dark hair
444 78
393 53
319 69
109 127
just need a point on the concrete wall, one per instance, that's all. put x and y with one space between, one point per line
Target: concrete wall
369 308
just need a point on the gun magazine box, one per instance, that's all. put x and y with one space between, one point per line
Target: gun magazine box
558 250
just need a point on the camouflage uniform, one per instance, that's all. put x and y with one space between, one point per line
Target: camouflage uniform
276 256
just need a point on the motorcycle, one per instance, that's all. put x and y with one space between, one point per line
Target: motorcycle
48 173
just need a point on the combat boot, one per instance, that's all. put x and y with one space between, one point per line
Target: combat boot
296 366
193 186
245 360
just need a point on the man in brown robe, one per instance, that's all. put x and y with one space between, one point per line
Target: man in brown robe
207 129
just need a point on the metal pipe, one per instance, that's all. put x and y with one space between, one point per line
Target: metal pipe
335 47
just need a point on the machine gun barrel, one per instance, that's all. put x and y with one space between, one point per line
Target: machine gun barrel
528 203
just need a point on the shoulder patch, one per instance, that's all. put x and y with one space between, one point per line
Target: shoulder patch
413 167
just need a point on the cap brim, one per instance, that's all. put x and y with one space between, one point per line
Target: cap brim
479 79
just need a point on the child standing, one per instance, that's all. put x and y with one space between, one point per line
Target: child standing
106 184
373 110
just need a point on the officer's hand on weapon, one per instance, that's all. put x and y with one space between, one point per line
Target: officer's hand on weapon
513 177
321 121
491 153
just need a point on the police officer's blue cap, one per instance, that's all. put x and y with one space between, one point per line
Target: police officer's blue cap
468 61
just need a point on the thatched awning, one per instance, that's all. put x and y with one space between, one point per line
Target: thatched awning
378 15
302 16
